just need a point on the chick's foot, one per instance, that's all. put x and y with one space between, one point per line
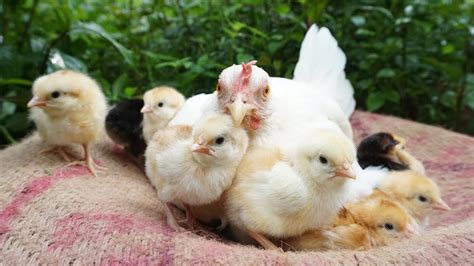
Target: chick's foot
56 149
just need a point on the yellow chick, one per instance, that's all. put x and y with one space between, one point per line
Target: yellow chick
371 222
68 107
416 192
285 191
160 106
193 166
407 159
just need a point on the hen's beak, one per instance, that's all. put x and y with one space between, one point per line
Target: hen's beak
441 205
146 109
238 110
36 101
346 171
200 149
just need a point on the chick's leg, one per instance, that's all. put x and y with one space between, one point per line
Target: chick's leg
88 162
223 224
263 241
57 149
170 219
190 218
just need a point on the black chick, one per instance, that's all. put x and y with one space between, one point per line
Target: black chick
378 150
124 126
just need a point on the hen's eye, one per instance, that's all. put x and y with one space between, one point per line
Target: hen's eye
160 104
323 160
55 94
388 226
266 91
218 89
219 140
422 198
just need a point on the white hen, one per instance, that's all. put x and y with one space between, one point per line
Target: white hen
319 93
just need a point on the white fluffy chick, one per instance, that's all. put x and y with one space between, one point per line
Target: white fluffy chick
68 107
193 166
283 192
160 106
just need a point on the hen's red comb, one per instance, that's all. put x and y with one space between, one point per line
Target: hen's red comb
247 67
243 80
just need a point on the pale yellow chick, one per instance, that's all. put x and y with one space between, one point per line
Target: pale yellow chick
371 222
286 191
193 166
416 192
68 108
160 106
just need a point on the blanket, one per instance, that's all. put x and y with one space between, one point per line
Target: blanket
52 214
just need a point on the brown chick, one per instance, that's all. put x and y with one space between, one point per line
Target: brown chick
416 192
387 150
68 107
371 222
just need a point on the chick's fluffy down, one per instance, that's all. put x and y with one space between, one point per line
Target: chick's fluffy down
76 116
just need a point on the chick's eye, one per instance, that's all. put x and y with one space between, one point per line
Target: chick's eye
160 104
218 89
323 160
388 226
266 91
55 94
219 140
422 198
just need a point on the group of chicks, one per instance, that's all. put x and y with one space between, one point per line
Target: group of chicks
228 156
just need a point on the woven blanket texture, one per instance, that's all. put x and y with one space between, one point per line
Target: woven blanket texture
51 214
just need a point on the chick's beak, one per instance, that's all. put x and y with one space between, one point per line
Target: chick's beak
200 149
441 205
238 109
346 171
36 101
410 230
146 109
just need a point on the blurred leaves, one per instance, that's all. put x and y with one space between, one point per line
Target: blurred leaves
407 58
88 28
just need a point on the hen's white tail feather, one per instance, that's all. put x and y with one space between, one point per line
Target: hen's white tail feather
321 64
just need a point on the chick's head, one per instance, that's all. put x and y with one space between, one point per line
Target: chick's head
324 155
243 92
385 217
380 143
162 103
66 91
418 193
217 142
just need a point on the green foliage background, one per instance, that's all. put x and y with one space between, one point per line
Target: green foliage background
412 59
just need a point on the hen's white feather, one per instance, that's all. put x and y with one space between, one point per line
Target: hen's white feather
367 179
195 108
321 65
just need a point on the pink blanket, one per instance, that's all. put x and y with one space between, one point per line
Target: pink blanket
51 214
